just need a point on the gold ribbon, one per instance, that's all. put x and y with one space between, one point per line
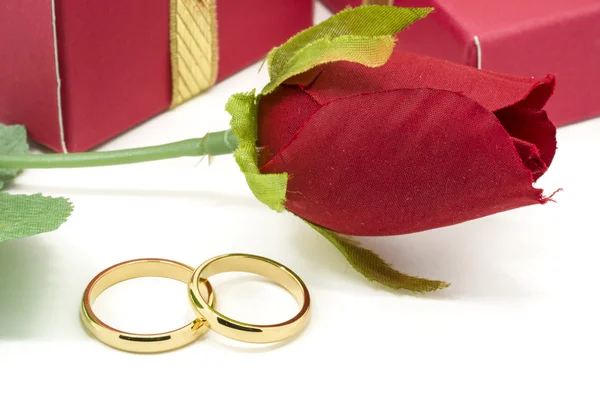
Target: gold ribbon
194 48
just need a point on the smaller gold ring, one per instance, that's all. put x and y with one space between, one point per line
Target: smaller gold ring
240 330
133 342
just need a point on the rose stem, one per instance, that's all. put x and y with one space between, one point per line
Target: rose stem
214 143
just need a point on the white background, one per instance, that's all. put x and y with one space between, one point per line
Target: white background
520 320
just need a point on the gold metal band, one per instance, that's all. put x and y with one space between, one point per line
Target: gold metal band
194 48
202 299
240 330
142 343
378 2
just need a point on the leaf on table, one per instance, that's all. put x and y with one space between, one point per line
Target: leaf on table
374 268
13 140
28 215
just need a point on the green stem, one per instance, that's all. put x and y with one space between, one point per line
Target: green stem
215 143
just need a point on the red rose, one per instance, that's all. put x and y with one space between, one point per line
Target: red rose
416 144
410 144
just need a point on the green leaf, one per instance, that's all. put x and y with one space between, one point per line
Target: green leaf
368 51
363 34
268 188
374 268
28 215
13 140
25 215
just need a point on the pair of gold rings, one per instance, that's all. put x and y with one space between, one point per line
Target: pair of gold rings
201 296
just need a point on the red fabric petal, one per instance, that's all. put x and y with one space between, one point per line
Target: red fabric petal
531 158
492 90
280 115
533 130
402 161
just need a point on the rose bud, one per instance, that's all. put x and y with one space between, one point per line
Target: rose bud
416 144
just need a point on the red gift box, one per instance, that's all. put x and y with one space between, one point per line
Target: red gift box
79 72
519 37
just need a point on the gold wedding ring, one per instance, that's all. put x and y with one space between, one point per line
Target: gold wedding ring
133 342
240 330
201 297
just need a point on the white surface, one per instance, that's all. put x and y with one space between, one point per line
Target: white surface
518 322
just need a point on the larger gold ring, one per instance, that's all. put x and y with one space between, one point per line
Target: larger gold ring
240 330
133 342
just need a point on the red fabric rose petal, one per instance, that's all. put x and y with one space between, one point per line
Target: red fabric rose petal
492 90
531 157
403 161
280 115
533 129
